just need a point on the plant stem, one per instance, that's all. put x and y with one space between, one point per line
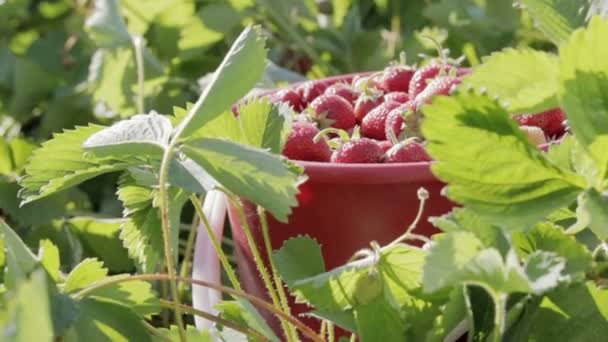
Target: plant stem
257 257
138 45
216 244
111 281
152 329
331 332
247 331
422 196
187 260
166 228
500 303
273 268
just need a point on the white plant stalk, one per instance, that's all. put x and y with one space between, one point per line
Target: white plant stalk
206 264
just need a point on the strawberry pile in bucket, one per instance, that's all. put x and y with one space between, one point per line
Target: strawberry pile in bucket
375 118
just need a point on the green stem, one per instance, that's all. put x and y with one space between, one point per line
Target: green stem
189 249
216 244
331 332
154 331
247 331
111 281
273 268
500 303
257 257
138 45
423 195
166 229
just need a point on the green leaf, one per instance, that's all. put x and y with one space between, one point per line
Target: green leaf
529 86
490 165
238 312
377 313
544 270
137 295
28 312
452 314
140 135
60 163
48 254
106 26
447 258
557 19
192 334
264 125
6 162
101 320
100 238
594 205
290 263
84 274
20 261
264 178
583 80
141 233
551 238
575 313
242 67
32 84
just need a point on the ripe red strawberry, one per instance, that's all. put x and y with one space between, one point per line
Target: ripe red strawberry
551 121
394 120
362 150
335 109
289 96
406 152
419 80
442 85
364 104
395 78
343 90
397 96
300 145
373 124
310 90
385 145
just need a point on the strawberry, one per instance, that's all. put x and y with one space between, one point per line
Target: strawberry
289 96
419 80
394 120
406 151
397 96
300 145
310 90
333 107
373 124
343 90
395 78
362 150
463 71
442 85
551 121
385 145
364 104
535 134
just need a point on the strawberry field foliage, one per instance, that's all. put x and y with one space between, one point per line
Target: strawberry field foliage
524 258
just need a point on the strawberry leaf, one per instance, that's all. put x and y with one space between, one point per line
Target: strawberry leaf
530 86
19 259
582 89
557 19
60 164
141 135
240 70
490 165
266 179
84 274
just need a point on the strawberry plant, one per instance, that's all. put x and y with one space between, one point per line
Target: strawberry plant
518 140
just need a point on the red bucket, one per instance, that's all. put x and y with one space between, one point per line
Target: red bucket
344 207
